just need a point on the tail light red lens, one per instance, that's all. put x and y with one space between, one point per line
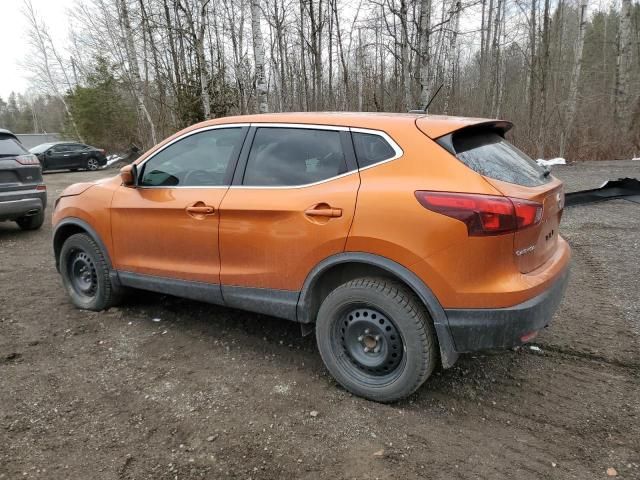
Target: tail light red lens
27 160
41 187
483 214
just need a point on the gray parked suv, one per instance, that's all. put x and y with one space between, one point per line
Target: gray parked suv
23 195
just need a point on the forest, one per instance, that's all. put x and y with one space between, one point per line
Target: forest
565 72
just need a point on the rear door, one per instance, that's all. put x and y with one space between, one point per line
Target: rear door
291 205
515 175
76 155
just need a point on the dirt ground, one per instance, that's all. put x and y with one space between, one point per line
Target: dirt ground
210 392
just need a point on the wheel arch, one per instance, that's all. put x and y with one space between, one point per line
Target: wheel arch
343 267
70 226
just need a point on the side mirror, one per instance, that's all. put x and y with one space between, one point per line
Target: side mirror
128 175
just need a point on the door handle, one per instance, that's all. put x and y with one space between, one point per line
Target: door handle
201 210
324 212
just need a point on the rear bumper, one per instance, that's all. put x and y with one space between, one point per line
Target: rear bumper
19 203
479 329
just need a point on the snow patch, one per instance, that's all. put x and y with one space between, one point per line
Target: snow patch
551 161
111 159
636 159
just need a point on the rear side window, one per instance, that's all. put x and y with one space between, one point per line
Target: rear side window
489 154
10 147
371 148
294 156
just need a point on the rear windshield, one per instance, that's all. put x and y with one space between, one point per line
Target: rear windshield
10 147
491 155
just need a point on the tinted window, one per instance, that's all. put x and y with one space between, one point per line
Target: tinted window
201 159
371 148
64 147
294 156
491 155
10 147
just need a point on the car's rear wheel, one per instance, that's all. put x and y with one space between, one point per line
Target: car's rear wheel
85 274
31 222
92 164
376 339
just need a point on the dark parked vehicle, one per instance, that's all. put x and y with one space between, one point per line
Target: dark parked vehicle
23 195
69 155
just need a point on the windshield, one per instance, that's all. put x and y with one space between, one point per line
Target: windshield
41 148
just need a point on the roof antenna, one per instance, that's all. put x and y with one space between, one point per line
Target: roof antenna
426 107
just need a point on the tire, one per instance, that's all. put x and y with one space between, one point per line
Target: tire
382 314
92 164
85 274
32 222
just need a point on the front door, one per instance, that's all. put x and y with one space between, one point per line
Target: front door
58 156
292 207
167 226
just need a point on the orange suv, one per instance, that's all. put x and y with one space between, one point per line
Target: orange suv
406 239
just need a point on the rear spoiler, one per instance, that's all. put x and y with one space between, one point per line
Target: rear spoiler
500 127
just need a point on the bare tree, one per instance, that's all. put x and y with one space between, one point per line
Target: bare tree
181 61
52 70
134 69
425 33
624 66
575 76
258 53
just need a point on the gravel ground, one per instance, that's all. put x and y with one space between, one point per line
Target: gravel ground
210 392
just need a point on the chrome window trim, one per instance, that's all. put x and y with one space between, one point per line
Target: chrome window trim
181 137
310 126
288 187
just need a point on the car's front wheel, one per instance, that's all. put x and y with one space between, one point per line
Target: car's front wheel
85 274
376 339
92 164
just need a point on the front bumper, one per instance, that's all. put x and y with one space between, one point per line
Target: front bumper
18 203
480 329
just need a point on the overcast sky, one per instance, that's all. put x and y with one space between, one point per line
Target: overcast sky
14 45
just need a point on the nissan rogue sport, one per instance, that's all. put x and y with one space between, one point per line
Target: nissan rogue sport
404 239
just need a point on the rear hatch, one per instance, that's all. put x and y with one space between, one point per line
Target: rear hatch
19 170
514 174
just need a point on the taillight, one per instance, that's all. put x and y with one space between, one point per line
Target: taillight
42 187
483 214
27 160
